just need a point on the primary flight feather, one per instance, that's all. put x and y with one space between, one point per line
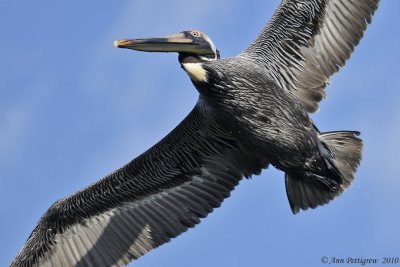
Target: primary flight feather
252 111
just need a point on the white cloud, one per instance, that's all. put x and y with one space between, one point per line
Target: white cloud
17 121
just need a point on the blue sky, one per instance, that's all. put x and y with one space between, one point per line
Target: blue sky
73 109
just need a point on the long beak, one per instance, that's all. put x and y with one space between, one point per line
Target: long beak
174 43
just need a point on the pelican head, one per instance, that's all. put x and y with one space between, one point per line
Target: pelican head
191 45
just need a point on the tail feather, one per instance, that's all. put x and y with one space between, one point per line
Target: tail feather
306 190
342 155
346 148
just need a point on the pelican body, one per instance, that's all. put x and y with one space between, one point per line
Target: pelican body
253 111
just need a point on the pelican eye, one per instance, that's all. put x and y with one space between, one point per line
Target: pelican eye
195 33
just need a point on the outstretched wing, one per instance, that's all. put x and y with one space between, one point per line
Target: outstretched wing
307 41
152 199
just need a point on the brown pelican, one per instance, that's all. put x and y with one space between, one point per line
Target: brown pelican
252 111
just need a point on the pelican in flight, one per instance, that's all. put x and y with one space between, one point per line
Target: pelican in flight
253 111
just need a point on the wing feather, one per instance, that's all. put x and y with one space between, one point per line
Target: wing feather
307 41
156 197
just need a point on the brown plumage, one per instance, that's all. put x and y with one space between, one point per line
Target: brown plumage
251 112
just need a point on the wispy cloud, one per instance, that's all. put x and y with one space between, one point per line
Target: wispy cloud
17 121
